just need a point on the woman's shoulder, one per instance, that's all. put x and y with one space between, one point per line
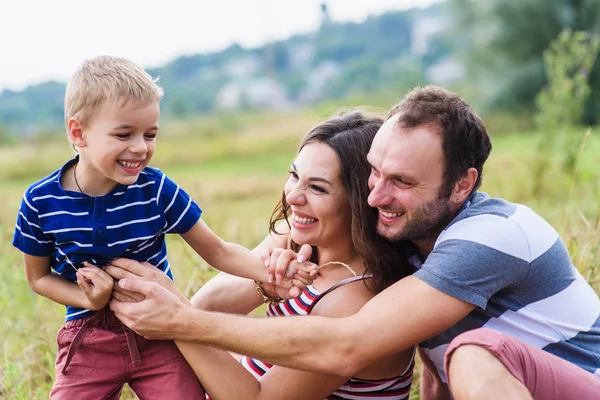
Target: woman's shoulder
344 300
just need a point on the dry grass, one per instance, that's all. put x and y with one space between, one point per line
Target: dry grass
237 178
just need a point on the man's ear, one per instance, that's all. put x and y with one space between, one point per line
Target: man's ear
464 186
75 132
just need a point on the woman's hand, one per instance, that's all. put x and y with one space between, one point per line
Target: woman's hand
124 268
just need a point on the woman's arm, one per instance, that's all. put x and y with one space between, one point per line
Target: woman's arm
227 293
225 378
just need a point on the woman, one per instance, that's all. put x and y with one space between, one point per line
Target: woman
324 204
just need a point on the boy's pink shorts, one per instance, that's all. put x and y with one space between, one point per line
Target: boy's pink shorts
545 375
110 355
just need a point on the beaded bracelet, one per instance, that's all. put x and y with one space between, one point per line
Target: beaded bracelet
269 300
266 298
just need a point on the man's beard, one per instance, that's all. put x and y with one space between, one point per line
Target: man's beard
426 222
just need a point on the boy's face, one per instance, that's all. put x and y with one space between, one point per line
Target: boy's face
119 141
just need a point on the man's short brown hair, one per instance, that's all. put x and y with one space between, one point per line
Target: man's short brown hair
465 141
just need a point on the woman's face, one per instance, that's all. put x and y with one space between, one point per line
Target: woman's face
319 206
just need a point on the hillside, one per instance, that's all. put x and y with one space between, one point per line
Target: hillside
389 52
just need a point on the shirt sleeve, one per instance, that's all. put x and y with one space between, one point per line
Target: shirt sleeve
29 236
472 260
180 210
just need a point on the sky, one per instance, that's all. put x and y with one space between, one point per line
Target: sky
42 40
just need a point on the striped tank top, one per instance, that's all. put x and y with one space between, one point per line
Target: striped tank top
395 388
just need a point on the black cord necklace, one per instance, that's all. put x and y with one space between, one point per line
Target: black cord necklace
75 176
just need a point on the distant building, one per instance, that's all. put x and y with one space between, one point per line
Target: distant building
318 80
424 29
445 71
243 67
229 97
256 93
300 58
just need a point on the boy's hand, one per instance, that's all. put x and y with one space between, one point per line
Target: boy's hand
290 270
97 286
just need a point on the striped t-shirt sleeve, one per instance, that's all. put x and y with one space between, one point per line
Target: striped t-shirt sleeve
476 258
29 236
180 210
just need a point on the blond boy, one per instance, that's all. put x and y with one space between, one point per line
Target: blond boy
104 204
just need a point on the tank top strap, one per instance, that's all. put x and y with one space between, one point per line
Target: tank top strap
337 285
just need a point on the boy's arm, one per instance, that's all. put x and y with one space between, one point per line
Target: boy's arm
232 294
92 290
225 256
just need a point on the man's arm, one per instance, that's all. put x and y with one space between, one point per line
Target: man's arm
399 317
225 378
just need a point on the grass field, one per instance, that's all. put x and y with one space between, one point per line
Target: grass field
235 169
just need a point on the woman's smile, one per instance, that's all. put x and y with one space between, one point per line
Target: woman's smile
302 221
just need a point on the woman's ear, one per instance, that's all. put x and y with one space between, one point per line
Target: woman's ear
75 132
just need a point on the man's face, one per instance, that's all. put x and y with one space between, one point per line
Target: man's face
407 167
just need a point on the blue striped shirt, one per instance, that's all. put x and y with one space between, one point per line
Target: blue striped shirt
511 264
130 221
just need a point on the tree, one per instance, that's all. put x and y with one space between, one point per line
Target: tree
505 41
561 103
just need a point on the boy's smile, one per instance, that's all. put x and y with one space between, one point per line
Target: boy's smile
115 145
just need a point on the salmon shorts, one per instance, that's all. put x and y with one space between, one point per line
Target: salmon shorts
546 376
97 355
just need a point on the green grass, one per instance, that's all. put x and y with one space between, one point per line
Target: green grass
235 169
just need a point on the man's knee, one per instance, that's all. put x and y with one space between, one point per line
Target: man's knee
464 360
475 363
470 349
468 346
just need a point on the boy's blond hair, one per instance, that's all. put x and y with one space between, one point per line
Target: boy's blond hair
107 78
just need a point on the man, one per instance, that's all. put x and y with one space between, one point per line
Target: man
482 263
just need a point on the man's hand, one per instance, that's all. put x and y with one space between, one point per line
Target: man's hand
124 268
153 317
96 285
